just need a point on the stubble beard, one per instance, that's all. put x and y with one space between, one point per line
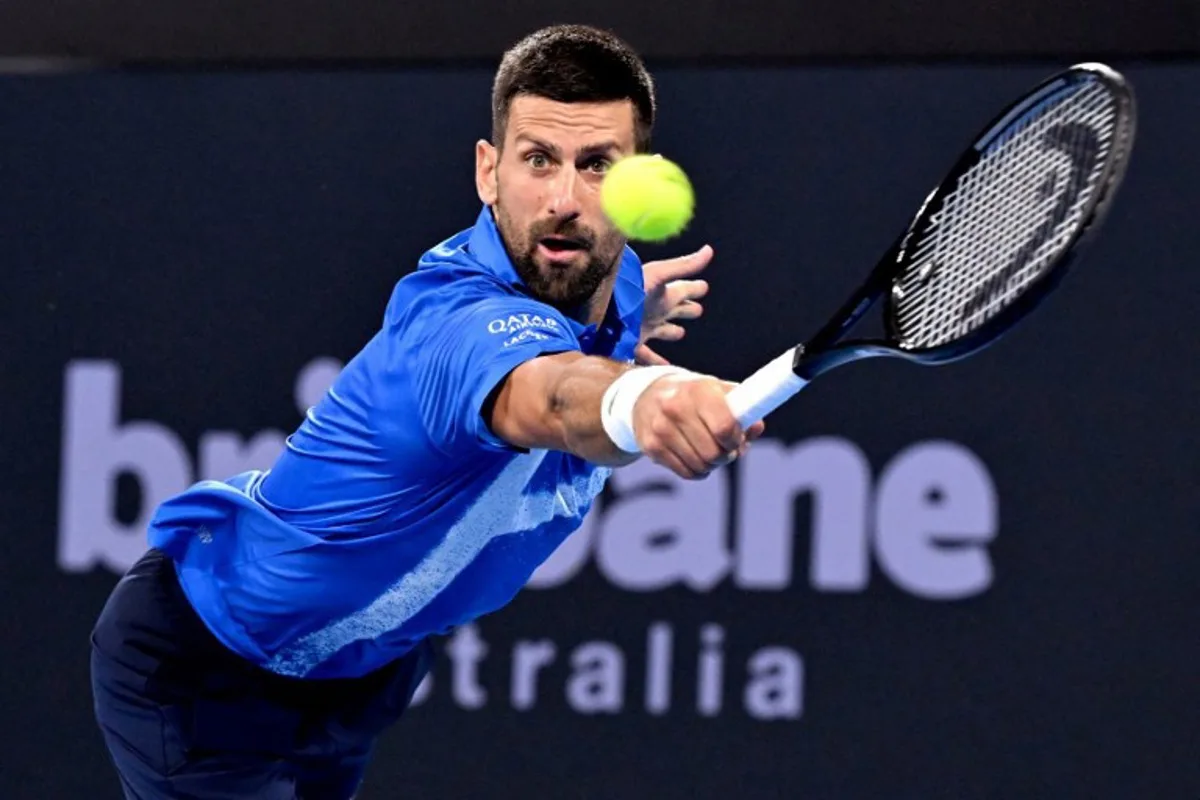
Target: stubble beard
567 289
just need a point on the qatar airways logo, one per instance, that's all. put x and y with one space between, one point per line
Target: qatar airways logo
515 323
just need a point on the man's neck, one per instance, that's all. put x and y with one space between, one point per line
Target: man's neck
594 310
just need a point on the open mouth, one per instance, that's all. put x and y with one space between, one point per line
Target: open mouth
562 244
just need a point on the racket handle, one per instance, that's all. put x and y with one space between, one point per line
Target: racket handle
765 390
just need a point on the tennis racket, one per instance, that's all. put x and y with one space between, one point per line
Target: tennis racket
987 245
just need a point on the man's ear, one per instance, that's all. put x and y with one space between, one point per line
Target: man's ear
486 157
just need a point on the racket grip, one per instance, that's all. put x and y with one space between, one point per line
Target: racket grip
765 390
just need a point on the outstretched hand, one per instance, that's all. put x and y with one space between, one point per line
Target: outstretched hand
670 296
685 424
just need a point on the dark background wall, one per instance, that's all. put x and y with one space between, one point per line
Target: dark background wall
452 30
970 582
179 248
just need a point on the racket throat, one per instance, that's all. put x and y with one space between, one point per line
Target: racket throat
809 364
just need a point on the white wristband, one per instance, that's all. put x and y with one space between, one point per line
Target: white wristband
616 407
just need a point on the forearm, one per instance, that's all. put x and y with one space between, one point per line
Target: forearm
556 402
575 406
604 433
553 402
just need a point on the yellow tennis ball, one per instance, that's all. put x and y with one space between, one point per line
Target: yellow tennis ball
647 197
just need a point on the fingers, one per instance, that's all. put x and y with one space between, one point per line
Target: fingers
667 445
660 272
689 428
714 412
686 309
644 355
672 462
681 431
754 431
681 291
668 332
669 431
729 458
686 425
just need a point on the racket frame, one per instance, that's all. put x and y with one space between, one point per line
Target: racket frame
772 385
1092 214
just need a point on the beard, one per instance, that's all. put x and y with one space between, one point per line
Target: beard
566 287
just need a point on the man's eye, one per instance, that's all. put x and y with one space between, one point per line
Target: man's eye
599 165
537 160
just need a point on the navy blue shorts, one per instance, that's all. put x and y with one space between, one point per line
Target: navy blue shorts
183 717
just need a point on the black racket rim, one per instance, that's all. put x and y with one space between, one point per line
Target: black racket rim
1093 214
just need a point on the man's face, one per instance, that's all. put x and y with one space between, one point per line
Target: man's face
545 187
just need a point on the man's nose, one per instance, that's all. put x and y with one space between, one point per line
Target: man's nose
564 197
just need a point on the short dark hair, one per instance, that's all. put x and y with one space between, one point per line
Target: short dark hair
574 64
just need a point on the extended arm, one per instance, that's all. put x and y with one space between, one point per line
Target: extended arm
553 403
574 403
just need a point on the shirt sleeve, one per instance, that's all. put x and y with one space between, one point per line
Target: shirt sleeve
467 354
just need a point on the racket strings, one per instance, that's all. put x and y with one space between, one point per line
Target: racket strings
1007 218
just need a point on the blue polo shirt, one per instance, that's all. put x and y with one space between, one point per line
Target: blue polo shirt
394 513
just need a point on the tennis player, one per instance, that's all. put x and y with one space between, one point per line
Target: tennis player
282 619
